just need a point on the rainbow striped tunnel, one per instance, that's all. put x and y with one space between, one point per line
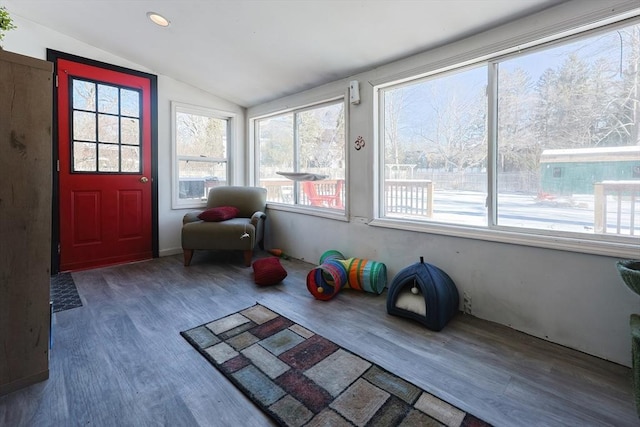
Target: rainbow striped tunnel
336 272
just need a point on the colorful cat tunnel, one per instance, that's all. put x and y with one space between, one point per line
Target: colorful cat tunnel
335 273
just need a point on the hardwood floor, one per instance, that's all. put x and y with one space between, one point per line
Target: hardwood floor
120 361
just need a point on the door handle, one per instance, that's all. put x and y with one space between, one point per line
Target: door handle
144 179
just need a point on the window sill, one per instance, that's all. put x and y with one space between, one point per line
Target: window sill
192 206
307 210
627 249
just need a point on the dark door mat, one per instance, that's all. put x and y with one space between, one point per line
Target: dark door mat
63 292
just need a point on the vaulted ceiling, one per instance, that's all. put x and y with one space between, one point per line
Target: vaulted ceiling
253 51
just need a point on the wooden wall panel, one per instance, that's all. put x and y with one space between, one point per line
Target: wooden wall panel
25 219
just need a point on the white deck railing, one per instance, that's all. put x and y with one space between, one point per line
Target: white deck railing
618 198
409 197
281 190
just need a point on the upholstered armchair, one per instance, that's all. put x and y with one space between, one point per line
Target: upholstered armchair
234 220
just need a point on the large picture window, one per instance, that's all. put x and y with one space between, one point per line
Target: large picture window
201 138
544 141
301 156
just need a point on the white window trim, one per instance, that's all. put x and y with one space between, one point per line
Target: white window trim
607 245
255 149
560 242
176 107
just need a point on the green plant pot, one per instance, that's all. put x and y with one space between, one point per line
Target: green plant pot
629 271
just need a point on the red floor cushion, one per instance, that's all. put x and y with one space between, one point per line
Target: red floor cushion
268 271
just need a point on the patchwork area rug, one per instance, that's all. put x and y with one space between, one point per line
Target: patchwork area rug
300 378
63 292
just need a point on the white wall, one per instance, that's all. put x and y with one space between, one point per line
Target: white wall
32 40
569 298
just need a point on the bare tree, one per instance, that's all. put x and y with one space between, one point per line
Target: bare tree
396 103
275 136
455 126
589 102
517 147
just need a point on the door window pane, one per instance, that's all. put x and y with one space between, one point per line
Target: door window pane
84 95
130 103
107 128
107 99
130 158
84 157
108 158
84 126
130 131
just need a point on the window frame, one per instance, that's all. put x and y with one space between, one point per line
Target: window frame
231 119
97 142
341 215
604 244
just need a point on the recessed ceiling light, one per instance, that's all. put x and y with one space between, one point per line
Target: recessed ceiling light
158 19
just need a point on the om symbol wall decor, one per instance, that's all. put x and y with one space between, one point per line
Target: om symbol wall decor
359 143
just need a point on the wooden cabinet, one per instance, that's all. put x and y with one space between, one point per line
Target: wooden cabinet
25 219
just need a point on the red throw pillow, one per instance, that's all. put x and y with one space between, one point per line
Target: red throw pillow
268 271
220 213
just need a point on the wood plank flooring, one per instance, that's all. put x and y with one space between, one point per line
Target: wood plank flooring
119 359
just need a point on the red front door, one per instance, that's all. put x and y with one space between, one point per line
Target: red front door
104 144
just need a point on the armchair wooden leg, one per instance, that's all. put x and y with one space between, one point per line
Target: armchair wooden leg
248 255
188 254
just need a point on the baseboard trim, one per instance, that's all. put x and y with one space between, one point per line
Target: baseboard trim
169 252
23 382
